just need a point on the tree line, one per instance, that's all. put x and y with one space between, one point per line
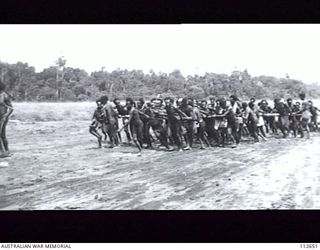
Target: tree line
62 83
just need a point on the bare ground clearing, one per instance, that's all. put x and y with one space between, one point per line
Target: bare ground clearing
57 165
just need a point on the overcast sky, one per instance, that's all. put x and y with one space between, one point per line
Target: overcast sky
194 49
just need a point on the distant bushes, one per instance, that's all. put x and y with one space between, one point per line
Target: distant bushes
63 84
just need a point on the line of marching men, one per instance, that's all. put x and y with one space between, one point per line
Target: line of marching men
177 124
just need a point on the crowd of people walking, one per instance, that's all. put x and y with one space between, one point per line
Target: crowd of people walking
177 124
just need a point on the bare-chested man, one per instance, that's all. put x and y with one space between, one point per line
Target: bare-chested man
284 112
201 125
98 122
314 118
235 119
111 121
135 123
158 122
5 111
124 115
188 121
174 115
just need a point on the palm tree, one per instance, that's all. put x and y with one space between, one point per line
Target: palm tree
60 65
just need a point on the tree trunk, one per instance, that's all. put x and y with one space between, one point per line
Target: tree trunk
3 72
57 85
123 86
59 94
111 89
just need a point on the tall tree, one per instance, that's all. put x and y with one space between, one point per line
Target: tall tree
60 66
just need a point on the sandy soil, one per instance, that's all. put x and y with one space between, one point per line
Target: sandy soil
57 165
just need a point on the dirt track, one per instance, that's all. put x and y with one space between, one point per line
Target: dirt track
57 165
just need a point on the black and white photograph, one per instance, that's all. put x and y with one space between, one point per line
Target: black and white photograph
159 117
